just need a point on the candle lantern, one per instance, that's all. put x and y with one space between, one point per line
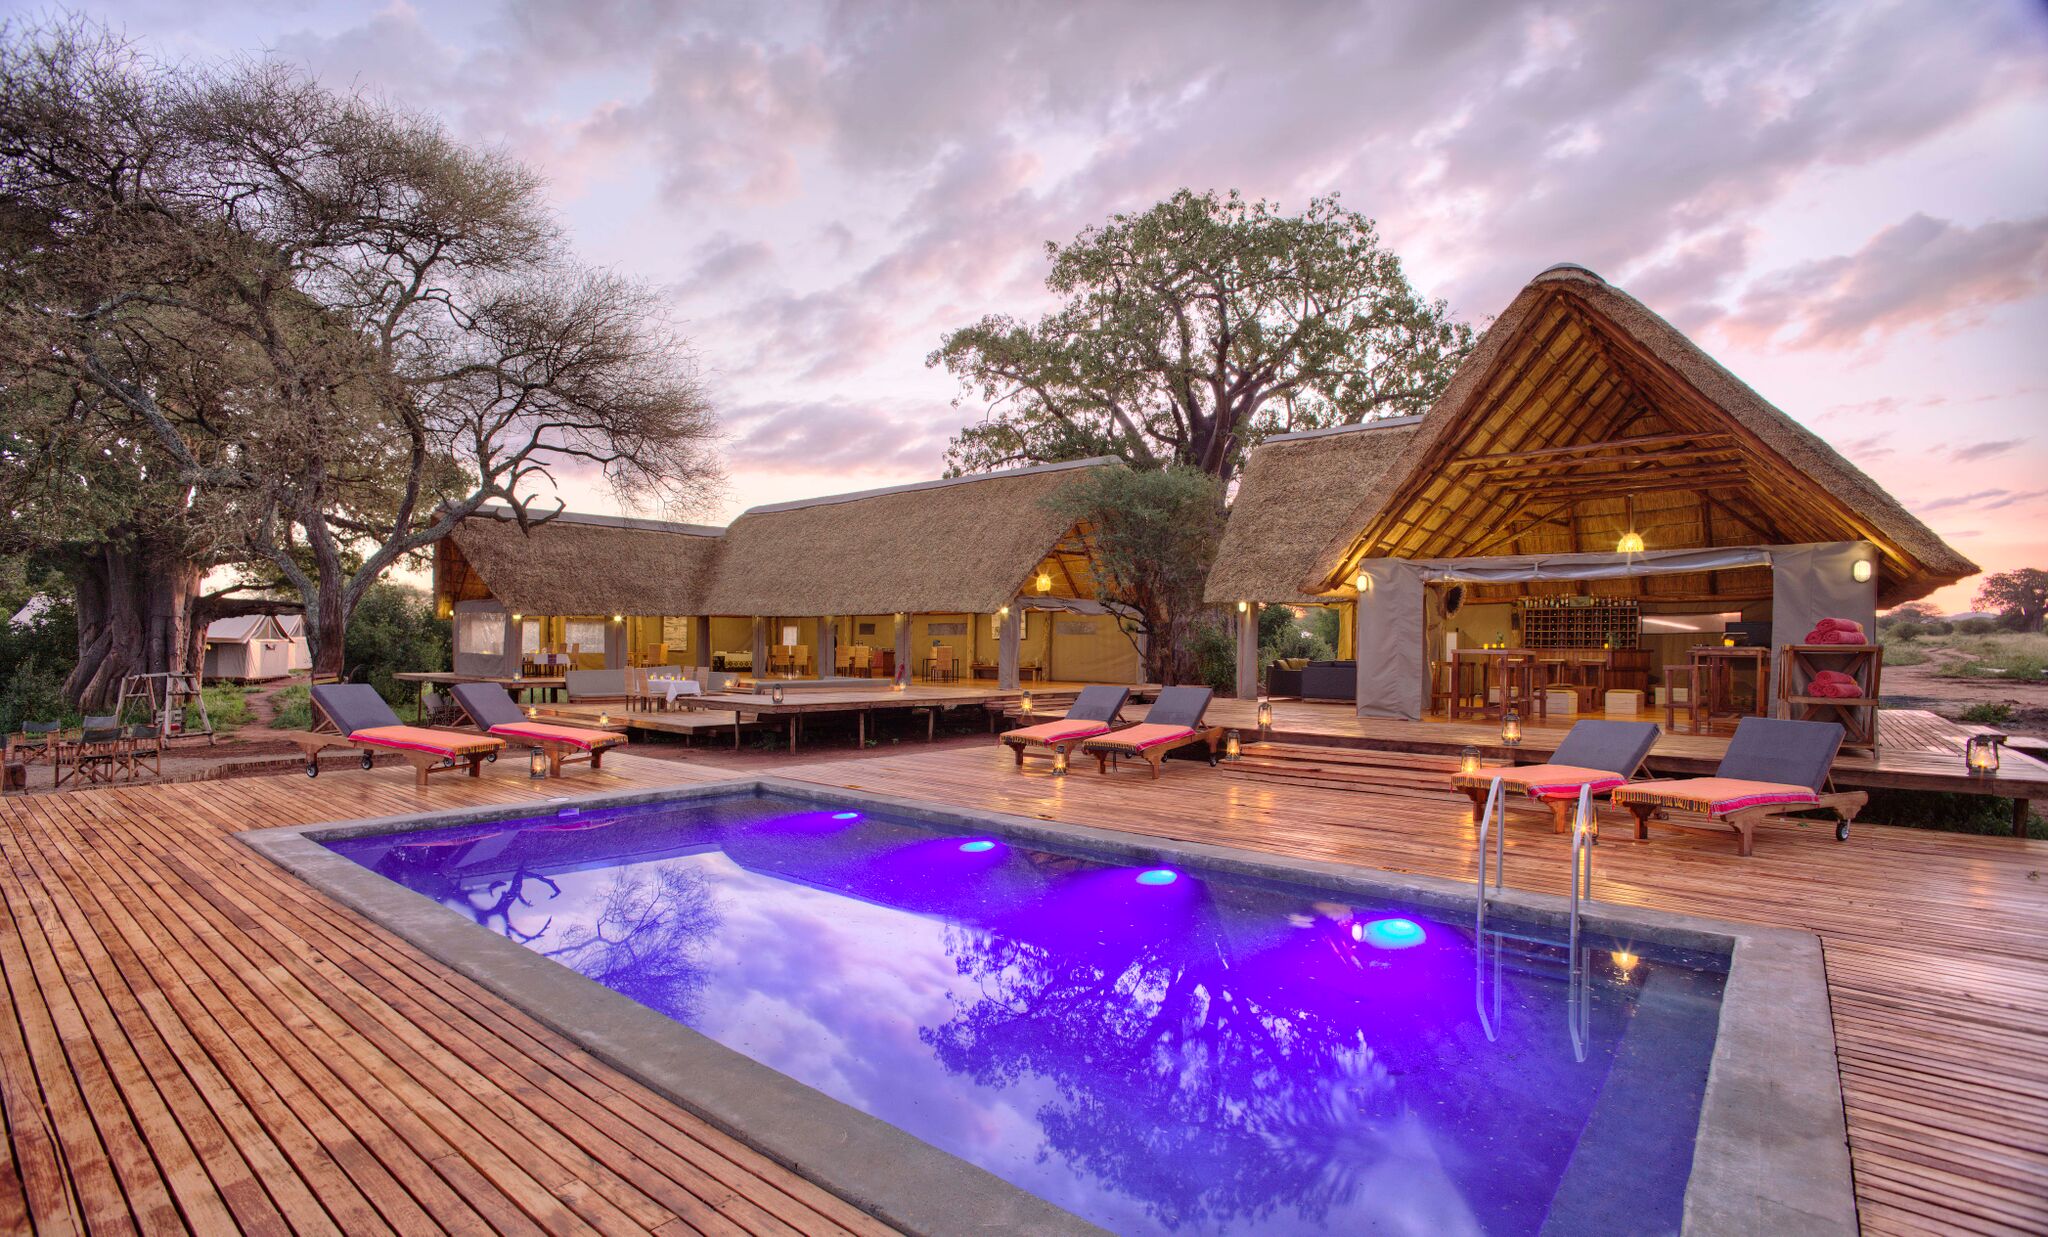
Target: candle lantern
1059 762
1044 582
536 763
1727 642
1468 760
1265 718
604 718
1233 747
531 712
1980 754
1024 704
775 693
1511 729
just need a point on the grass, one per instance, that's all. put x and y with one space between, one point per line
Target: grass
1904 653
294 708
2013 655
227 706
1987 713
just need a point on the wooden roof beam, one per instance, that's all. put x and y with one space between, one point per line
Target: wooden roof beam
1591 448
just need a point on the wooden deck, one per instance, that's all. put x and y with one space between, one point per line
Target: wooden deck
1920 751
195 1040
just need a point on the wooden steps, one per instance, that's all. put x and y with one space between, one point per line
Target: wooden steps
1401 774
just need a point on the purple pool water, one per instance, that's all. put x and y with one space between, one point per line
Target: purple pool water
1154 1049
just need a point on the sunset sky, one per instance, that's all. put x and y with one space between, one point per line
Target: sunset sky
1846 203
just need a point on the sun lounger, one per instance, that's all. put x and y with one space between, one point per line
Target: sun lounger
1174 722
1774 768
1093 712
1602 755
494 712
360 718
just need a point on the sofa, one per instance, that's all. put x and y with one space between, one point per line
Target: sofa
1313 680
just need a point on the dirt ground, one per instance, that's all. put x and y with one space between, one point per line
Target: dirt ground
1924 687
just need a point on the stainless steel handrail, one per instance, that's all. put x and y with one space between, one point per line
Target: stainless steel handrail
1585 833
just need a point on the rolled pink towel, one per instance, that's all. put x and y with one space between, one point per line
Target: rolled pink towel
1834 685
1838 624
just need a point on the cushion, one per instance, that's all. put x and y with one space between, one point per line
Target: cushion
1542 781
420 739
1715 795
1142 737
574 736
1064 730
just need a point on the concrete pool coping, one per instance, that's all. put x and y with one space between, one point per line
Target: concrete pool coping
1771 1154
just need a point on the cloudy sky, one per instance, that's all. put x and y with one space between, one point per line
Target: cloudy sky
1846 203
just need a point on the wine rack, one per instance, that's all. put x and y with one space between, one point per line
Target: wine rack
1581 623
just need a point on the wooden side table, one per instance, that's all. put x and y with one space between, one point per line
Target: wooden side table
1714 671
1690 673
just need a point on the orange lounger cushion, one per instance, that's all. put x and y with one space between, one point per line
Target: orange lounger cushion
1715 796
1542 781
543 732
420 739
1062 731
1140 737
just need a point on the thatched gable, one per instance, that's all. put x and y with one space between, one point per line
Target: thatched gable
1296 488
961 546
581 564
1582 414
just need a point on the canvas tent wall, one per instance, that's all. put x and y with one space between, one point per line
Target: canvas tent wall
247 648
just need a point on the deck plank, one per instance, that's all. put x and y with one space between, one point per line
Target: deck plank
190 1038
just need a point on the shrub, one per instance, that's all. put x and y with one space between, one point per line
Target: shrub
1976 627
1215 655
1988 713
1906 631
394 630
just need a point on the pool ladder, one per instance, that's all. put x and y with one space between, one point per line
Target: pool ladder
1585 833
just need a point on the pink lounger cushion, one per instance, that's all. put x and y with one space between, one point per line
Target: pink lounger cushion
420 739
574 736
1062 731
1542 781
1716 796
1142 737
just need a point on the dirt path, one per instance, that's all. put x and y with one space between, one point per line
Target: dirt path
1924 687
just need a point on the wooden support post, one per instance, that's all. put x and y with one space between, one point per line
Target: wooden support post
828 646
1011 623
1247 650
700 637
760 646
903 666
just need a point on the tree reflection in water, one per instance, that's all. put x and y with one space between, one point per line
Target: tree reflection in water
646 941
1179 1086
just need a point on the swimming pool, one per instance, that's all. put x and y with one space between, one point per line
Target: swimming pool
1152 1046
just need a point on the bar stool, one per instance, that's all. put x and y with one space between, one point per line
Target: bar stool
1690 673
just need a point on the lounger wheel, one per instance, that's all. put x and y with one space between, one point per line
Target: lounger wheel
312 766
491 758
369 759
1841 831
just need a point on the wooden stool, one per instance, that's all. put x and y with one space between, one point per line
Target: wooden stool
1690 672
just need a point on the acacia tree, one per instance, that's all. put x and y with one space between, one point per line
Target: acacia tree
1192 330
2020 595
387 328
1151 537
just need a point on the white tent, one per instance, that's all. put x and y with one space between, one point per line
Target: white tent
249 648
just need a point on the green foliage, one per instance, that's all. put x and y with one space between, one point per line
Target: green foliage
227 705
1190 331
1976 627
1897 653
1326 625
1153 535
2003 655
394 630
1907 631
2021 596
1912 612
1953 813
293 708
1214 653
1988 713
34 659
1291 635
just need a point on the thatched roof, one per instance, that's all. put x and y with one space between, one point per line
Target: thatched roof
1296 488
1582 414
582 564
964 546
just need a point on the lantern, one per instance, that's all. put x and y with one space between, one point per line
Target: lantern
1059 762
1045 582
775 694
1468 760
1024 705
1511 729
1265 718
531 712
1727 642
1233 747
1631 541
604 718
536 763
1980 754
1624 961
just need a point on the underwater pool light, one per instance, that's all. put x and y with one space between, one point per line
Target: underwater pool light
977 846
1388 933
1158 876
846 815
